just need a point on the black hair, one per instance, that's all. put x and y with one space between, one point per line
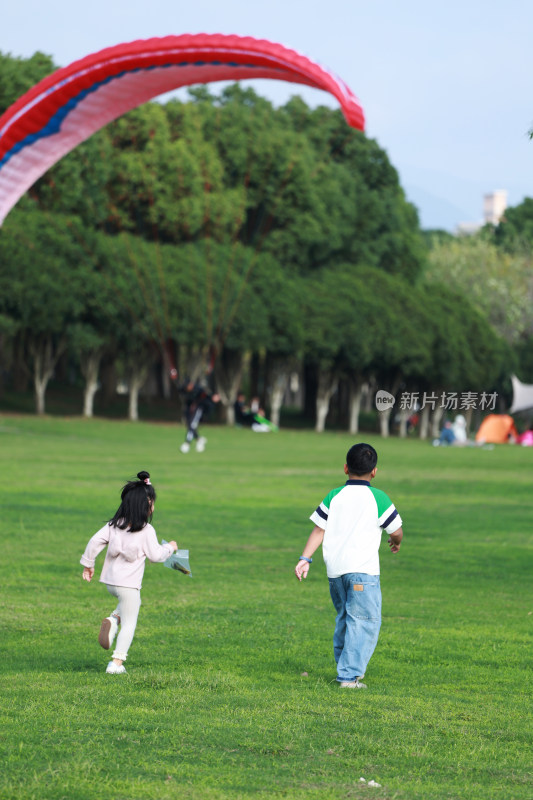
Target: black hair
136 507
361 459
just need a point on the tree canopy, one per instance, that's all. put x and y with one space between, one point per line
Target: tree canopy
223 226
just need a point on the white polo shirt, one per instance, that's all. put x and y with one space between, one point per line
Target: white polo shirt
353 518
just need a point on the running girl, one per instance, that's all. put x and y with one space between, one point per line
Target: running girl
130 540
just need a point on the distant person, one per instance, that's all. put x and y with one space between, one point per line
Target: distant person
526 439
459 430
348 524
198 402
250 418
447 435
412 422
243 415
130 540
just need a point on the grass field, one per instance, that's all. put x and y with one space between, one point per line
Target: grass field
215 704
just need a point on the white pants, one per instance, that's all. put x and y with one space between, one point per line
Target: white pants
129 603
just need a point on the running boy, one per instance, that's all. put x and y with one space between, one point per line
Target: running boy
348 524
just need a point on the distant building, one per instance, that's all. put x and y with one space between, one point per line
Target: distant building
494 206
468 228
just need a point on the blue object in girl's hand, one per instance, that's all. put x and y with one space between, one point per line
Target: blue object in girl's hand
179 561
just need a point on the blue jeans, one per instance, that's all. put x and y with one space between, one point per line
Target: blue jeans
357 600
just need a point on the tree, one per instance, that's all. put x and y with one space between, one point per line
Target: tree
212 216
42 290
514 234
17 75
361 322
466 353
278 292
497 282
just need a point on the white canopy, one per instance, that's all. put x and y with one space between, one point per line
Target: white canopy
522 395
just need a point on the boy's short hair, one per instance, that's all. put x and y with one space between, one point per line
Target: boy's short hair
361 459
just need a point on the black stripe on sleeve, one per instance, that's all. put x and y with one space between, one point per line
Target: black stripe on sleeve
389 520
322 514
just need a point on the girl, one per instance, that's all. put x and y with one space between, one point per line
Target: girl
130 539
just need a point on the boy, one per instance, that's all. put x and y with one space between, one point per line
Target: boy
348 524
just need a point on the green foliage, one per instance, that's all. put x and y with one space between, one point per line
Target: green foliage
226 222
499 284
41 285
524 358
366 321
17 75
80 183
298 184
436 236
216 705
466 353
515 232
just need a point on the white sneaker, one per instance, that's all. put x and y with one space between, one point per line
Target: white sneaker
185 447
356 684
200 444
115 669
108 631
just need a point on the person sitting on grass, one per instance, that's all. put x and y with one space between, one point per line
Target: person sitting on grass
348 524
248 418
447 435
130 540
243 415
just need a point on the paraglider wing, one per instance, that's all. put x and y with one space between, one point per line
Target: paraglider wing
68 106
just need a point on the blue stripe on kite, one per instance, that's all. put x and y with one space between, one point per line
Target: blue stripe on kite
389 520
54 123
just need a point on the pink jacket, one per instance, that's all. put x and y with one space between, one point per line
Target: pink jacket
126 554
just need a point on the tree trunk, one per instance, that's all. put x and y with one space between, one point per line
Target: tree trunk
468 417
44 361
276 396
228 374
40 393
277 373
384 421
90 368
327 384
404 415
436 418
369 391
355 399
137 378
133 401
165 375
392 387
424 422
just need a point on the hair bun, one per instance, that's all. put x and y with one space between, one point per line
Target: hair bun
143 475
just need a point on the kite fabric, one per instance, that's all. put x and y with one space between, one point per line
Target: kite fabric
522 396
179 561
67 107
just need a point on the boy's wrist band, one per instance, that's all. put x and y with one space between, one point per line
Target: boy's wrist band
304 558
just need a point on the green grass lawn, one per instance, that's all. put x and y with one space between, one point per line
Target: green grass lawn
215 704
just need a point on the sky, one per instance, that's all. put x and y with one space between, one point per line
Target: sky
446 87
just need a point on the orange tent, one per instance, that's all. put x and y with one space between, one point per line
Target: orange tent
497 429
